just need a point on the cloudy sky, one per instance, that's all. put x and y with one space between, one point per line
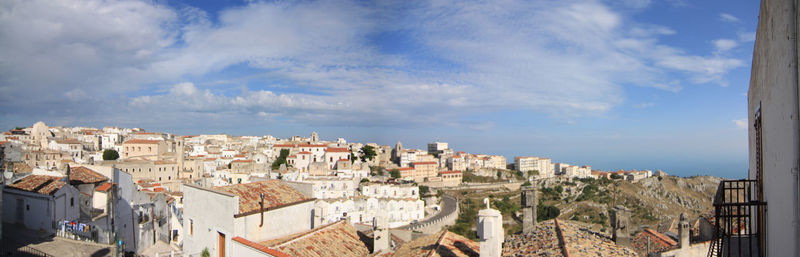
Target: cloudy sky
628 84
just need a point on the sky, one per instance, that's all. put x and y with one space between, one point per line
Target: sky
628 84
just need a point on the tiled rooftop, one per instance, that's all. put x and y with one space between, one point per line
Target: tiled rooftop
46 185
442 243
104 187
653 241
141 141
334 240
276 193
579 241
85 175
337 150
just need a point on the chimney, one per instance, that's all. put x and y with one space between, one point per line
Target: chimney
684 232
261 210
528 208
490 231
380 233
620 222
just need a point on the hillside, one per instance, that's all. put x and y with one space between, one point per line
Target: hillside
652 201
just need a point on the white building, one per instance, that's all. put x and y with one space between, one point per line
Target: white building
543 165
437 147
39 202
398 211
380 190
773 137
240 211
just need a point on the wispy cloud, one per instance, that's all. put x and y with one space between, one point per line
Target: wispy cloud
746 36
728 17
644 105
740 123
317 62
723 45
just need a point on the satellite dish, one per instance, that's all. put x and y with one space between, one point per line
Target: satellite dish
8 175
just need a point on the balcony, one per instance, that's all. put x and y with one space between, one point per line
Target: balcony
739 213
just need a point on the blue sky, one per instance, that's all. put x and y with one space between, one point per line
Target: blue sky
629 84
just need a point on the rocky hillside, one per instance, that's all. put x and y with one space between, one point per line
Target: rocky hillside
652 200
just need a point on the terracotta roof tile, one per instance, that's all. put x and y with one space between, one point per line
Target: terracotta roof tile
334 240
104 187
424 163
141 141
261 248
276 193
85 175
46 185
336 150
443 243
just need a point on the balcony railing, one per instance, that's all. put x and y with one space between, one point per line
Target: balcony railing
739 213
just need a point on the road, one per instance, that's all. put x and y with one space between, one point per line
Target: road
449 204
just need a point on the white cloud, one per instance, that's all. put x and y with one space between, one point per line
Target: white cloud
728 17
723 45
561 58
746 36
740 123
644 105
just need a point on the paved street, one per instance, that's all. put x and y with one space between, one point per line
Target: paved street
54 246
448 206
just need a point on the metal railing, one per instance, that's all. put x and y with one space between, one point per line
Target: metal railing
739 219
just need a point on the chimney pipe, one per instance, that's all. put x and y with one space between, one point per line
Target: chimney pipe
262 210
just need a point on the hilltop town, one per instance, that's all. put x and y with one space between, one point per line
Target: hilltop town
150 193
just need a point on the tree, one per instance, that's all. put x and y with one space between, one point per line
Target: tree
205 253
499 174
423 190
616 176
364 180
281 159
546 212
110 155
395 173
367 153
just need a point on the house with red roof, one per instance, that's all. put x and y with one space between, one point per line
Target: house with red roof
256 211
39 201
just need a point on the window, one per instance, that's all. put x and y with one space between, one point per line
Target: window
191 227
72 202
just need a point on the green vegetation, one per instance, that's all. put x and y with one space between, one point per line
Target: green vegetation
499 174
616 176
532 173
205 253
281 159
527 183
467 219
395 173
506 206
364 180
546 212
553 193
110 155
367 153
19 128
423 190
